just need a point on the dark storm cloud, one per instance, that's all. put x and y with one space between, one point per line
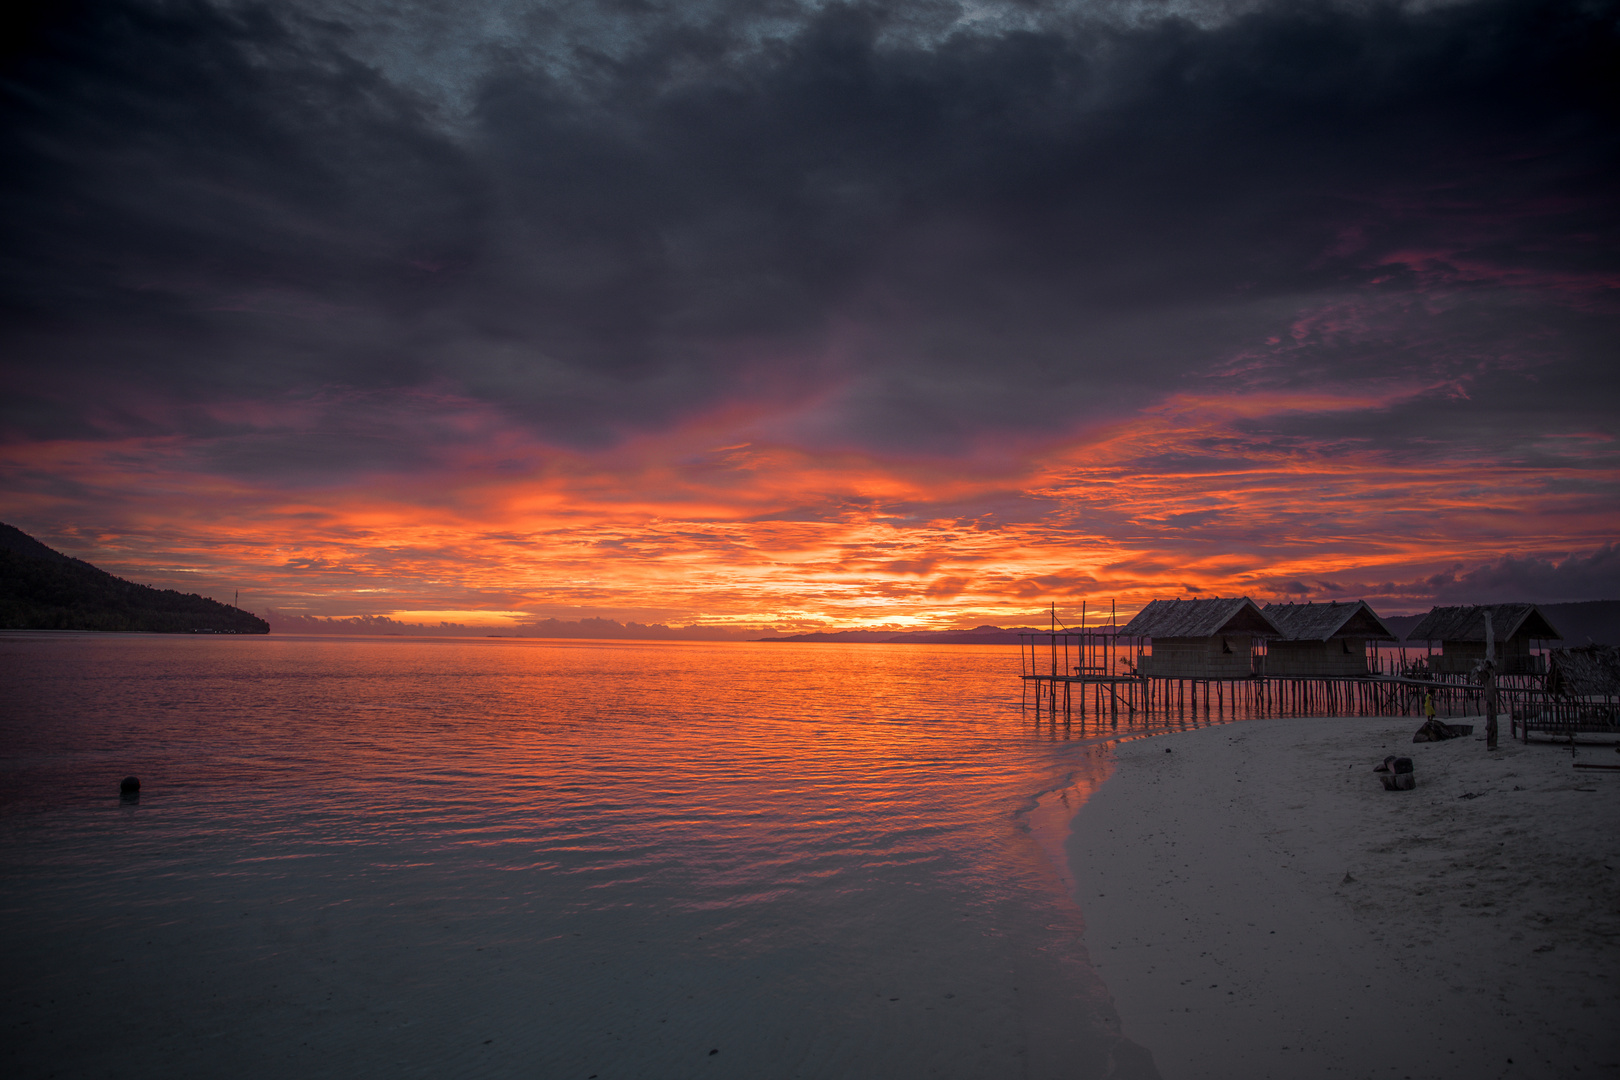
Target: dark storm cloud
1578 576
1570 577
948 236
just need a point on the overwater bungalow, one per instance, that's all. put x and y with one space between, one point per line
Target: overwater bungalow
1201 639
1322 640
1517 629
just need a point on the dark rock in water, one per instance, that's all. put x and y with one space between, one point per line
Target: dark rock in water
129 785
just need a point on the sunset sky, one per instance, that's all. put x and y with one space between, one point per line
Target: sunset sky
815 314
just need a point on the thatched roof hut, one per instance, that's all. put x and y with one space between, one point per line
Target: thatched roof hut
1201 639
1461 633
1200 618
1323 639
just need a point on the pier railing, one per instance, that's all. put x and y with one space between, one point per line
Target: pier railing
1095 676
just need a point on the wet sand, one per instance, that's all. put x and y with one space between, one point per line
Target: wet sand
1259 906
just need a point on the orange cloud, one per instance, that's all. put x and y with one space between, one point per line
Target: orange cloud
691 526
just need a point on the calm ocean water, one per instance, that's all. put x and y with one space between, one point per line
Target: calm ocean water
538 858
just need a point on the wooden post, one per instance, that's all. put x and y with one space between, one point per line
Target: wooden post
1488 678
1053 632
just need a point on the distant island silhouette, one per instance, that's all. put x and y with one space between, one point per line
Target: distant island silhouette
42 589
979 635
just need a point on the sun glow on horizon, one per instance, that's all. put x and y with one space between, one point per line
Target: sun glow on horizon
468 618
1186 498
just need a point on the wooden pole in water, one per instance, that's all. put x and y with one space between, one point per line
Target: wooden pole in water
1084 645
1053 638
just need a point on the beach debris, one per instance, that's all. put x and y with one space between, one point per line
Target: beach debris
1348 880
1438 731
1470 795
1397 773
714 1052
130 787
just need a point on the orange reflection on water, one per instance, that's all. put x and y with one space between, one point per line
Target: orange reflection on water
821 843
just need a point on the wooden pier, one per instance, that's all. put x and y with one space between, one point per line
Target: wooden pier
1095 672
1262 695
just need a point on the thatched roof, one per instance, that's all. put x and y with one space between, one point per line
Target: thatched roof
1468 623
1200 619
1594 669
1324 622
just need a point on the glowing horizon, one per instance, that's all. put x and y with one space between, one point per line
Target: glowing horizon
666 529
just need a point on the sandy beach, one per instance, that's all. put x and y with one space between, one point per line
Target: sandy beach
1260 906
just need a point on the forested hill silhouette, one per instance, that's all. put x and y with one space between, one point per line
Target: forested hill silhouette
42 589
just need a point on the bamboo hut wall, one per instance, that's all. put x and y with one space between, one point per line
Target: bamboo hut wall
1216 657
1515 656
1335 657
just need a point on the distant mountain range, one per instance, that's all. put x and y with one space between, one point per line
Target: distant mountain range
1581 623
42 589
979 635
282 622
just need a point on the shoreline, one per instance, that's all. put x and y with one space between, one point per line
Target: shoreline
1258 905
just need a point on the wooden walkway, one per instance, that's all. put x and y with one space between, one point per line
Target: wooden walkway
1257 695
1094 672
